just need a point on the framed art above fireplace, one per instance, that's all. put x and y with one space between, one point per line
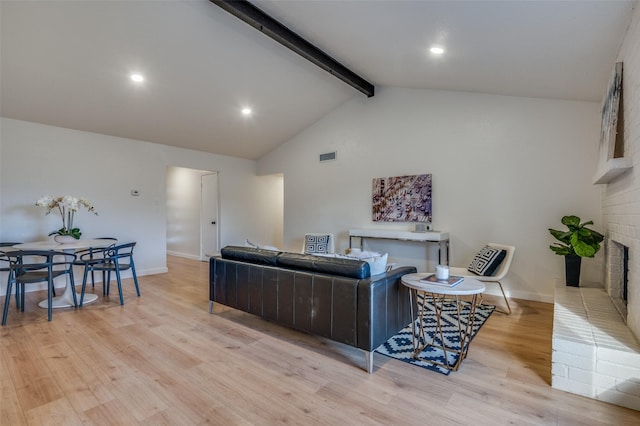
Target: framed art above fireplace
612 162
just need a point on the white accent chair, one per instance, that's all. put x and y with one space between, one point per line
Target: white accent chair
309 248
498 275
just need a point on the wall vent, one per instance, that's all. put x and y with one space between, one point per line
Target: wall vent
328 156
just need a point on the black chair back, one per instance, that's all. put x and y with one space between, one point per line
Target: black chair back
115 258
8 243
88 255
33 266
120 252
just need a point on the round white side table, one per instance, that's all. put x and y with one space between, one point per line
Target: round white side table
437 294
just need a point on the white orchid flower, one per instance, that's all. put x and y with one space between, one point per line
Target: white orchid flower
68 206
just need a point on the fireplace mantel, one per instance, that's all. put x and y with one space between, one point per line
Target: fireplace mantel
613 168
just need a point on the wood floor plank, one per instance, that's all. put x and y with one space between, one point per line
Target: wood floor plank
162 359
75 376
56 412
11 412
110 413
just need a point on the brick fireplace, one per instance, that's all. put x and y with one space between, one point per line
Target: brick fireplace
621 196
595 352
595 333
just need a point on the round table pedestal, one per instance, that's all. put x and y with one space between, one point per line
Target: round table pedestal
63 302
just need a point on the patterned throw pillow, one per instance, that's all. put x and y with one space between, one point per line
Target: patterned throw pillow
487 261
316 243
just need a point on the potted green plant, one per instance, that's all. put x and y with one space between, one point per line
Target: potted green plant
576 242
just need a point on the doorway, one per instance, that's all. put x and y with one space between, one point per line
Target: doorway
192 206
209 216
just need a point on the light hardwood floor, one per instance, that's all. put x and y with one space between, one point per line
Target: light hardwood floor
163 359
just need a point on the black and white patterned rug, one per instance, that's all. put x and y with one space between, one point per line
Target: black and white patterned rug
400 346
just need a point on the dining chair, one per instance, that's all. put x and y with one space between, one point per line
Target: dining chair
495 276
11 244
6 268
34 266
93 253
115 259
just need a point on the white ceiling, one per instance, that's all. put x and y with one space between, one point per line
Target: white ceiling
66 63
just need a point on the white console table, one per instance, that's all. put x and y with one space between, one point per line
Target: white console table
432 237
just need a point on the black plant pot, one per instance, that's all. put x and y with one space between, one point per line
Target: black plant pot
572 270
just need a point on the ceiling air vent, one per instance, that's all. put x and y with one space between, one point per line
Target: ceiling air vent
328 156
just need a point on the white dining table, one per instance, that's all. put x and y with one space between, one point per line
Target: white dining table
66 299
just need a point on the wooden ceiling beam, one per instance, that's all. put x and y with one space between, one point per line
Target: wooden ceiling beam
247 12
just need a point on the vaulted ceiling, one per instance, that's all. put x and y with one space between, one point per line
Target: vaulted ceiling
67 63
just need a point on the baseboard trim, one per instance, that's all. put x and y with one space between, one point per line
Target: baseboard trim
183 255
154 271
494 290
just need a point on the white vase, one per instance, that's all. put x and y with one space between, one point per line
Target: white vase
64 239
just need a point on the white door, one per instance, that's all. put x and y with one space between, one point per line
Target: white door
209 226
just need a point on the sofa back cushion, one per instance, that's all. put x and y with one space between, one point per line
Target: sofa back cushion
350 268
250 255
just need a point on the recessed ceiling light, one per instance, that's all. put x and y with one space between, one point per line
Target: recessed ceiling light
246 112
436 50
138 78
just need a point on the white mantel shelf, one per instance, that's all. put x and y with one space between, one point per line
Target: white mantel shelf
613 168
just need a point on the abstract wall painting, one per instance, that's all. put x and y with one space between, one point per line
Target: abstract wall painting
402 199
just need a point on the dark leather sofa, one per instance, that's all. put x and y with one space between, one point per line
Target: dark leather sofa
329 297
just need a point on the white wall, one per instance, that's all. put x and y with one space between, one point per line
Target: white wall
504 170
268 213
183 211
38 159
621 198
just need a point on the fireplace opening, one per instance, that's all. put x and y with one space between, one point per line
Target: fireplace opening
617 280
625 272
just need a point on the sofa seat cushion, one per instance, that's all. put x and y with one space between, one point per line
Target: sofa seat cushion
350 268
251 255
